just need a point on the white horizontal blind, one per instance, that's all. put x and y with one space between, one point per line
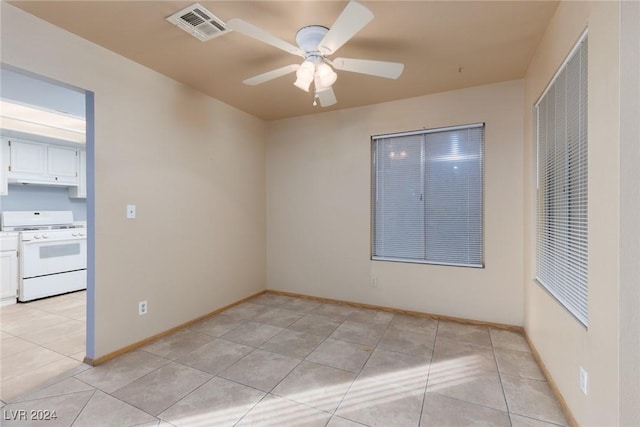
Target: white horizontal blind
562 234
427 203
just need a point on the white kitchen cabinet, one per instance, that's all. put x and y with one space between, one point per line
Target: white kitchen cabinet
27 158
4 166
80 192
62 163
41 163
9 274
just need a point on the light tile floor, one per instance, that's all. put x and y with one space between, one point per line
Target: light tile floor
41 340
283 361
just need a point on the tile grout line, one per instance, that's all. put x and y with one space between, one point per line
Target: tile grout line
362 367
40 366
17 402
251 352
185 396
124 385
83 407
504 394
520 377
482 404
426 386
125 403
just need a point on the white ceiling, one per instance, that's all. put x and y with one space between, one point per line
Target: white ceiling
445 45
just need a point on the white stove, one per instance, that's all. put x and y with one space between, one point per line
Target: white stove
53 252
36 220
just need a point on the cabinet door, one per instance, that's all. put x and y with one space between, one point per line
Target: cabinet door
62 163
8 274
4 166
27 158
80 191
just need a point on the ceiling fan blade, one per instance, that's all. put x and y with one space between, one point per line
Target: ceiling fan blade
270 75
389 70
327 97
259 34
352 19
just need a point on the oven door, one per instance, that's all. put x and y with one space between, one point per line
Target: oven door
43 257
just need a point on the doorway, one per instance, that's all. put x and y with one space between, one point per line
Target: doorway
40 338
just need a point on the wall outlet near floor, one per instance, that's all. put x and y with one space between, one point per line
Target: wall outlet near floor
142 307
584 380
374 282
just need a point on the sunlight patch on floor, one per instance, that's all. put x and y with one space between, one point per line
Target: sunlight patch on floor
366 392
454 372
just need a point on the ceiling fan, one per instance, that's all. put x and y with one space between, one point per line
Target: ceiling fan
315 44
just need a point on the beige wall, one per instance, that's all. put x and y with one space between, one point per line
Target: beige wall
562 341
318 207
629 213
193 166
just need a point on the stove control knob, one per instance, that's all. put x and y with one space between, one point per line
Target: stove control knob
81 234
36 236
44 236
74 234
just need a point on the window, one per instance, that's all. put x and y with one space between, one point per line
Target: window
561 229
427 196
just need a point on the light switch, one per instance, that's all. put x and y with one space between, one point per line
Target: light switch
131 211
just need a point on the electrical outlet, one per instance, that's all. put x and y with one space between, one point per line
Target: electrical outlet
584 380
374 282
131 211
142 307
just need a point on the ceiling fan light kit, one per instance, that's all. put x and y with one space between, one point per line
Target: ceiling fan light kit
315 44
315 70
304 75
326 75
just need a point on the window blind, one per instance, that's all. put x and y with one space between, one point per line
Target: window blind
562 226
427 196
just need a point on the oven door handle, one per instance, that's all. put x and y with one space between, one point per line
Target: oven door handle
53 240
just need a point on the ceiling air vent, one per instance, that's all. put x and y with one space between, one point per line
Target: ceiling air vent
199 22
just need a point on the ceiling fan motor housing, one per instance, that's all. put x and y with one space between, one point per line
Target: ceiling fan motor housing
308 38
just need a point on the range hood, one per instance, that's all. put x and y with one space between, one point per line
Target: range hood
28 119
32 181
